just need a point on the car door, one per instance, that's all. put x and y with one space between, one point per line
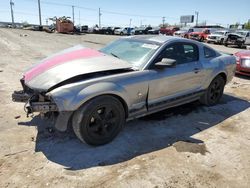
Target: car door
177 81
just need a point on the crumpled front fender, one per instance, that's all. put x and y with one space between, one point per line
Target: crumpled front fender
68 99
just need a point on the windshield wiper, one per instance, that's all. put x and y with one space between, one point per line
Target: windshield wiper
115 55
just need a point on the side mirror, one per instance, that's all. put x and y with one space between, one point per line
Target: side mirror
165 62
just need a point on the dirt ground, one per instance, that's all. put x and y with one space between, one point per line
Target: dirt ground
188 146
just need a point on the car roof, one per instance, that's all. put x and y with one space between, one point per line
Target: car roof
160 39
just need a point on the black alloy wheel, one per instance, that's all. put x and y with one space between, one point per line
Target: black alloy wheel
214 92
99 120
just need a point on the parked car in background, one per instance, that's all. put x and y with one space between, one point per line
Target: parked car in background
127 79
105 30
240 38
169 30
243 62
154 31
84 29
124 31
217 37
200 35
142 30
184 32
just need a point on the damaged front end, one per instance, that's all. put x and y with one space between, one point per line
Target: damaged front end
34 101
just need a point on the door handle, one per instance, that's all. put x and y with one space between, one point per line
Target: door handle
196 70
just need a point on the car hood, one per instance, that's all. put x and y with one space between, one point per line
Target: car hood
181 32
243 54
70 63
215 35
196 33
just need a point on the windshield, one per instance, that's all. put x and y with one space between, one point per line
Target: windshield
218 33
134 52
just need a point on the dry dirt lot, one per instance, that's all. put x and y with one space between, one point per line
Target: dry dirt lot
188 146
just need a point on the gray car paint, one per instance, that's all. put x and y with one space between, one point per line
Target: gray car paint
143 87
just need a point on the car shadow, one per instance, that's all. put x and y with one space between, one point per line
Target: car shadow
145 135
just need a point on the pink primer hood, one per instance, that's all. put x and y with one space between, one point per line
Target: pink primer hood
70 63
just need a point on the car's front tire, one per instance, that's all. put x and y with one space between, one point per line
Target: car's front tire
214 92
99 120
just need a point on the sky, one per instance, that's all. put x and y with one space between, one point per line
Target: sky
120 13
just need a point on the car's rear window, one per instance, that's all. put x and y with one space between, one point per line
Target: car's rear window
209 53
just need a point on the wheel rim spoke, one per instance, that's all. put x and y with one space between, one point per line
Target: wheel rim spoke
94 127
97 116
105 131
103 122
107 112
215 91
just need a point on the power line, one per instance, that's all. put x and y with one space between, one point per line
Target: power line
105 11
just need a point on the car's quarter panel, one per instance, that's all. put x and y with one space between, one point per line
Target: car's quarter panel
132 87
221 64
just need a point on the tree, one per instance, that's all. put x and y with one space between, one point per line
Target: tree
25 24
247 25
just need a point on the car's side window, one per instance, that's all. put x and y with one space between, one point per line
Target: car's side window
248 34
209 53
181 52
191 52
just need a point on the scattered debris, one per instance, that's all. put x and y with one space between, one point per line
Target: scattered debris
17 117
9 154
182 146
23 35
33 139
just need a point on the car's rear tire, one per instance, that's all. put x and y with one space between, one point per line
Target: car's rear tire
99 120
214 92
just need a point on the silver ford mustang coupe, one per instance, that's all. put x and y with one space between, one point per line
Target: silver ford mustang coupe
96 91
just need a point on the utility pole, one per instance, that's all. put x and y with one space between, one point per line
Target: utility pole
12 13
163 21
197 17
80 21
47 20
73 14
100 14
39 9
79 17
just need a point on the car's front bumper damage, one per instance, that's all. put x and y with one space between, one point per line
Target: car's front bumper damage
34 101
40 103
